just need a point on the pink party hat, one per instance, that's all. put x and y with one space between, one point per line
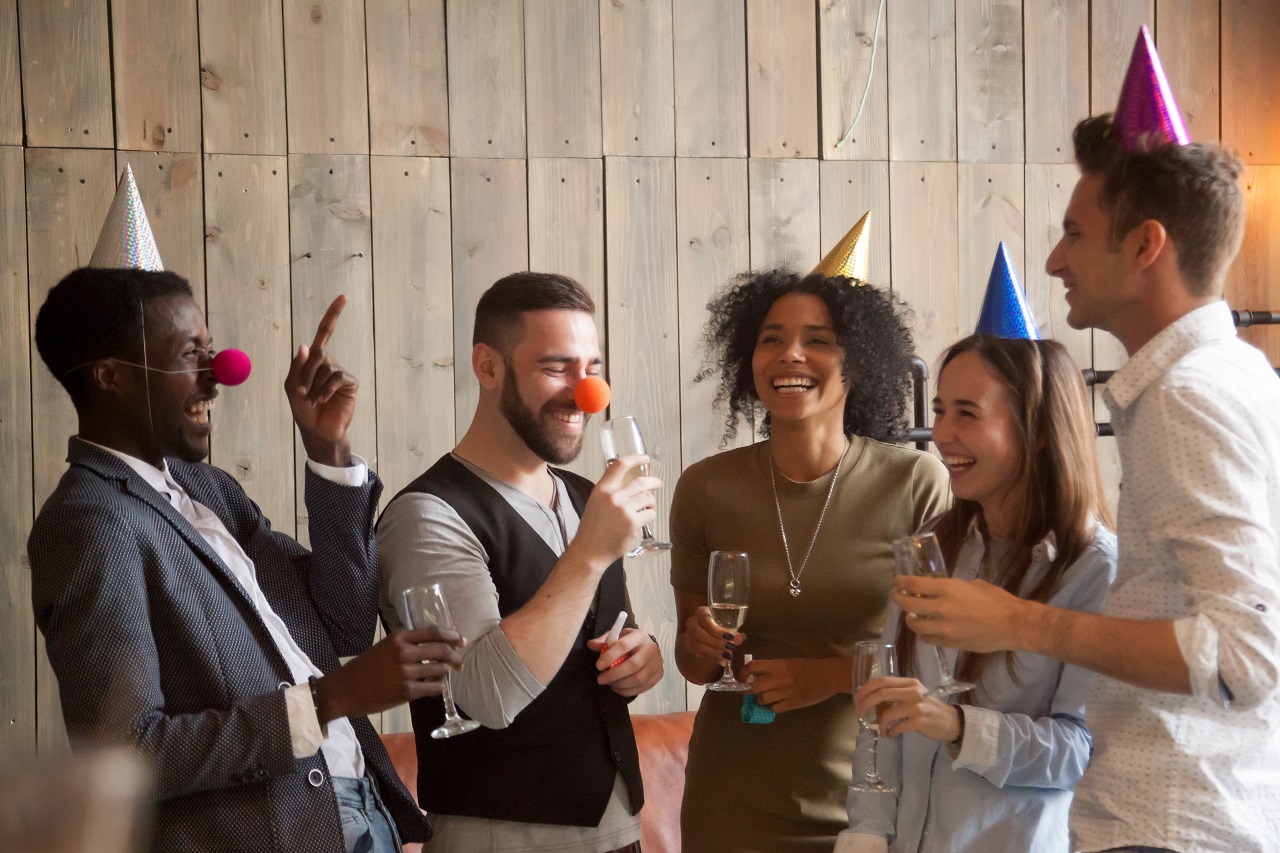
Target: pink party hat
1146 107
125 241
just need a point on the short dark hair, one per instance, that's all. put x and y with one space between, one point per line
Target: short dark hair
870 325
98 313
498 314
1192 190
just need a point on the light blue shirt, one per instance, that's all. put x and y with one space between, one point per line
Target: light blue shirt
1008 785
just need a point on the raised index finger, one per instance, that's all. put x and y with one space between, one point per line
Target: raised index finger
329 322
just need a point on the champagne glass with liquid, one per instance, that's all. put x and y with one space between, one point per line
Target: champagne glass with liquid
425 606
921 555
728 582
621 437
873 660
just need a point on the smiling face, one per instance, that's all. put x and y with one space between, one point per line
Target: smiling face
558 349
798 366
172 400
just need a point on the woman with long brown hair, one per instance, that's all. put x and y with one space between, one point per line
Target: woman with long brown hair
994 769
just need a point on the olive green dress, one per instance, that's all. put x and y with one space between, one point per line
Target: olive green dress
782 786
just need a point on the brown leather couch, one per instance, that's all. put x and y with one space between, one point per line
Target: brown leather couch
663 740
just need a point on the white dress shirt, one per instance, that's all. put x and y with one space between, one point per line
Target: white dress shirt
341 749
1197 417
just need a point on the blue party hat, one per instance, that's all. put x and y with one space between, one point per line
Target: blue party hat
1004 309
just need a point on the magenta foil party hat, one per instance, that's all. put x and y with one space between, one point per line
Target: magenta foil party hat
1005 313
126 241
1146 107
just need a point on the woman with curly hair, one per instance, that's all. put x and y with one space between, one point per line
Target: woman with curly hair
822 367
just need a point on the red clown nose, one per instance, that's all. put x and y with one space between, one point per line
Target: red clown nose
231 367
592 395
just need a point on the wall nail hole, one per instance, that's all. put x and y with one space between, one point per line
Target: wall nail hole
406 174
331 139
246 136
219 174
331 171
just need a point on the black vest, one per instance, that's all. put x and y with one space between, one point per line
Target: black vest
557 760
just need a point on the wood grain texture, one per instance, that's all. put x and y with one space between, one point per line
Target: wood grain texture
989 98
636 77
1047 189
846 30
566 236
562 77
246 207
1253 282
921 39
486 78
923 237
1056 73
644 369
10 76
156 63
710 59
408 87
242 77
1250 85
1113 31
989 205
171 188
326 84
490 240
782 78
785 222
66 73
1188 39
848 190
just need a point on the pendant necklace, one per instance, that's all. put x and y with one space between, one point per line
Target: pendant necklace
786 547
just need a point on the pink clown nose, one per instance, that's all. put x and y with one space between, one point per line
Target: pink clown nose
231 367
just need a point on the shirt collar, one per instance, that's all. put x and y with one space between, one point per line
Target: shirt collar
1205 324
1046 549
159 479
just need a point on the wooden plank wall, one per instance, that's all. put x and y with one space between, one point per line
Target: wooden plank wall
410 152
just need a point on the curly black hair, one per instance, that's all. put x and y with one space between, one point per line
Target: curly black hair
870 325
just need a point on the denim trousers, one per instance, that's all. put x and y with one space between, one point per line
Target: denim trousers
367 827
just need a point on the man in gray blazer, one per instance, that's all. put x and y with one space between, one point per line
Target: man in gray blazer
177 621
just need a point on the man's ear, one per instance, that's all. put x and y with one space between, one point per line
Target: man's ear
1148 241
107 376
488 365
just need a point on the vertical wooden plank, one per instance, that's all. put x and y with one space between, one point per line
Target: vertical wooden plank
66 73
922 79
171 190
486 78
490 240
848 190
1047 190
636 77
989 210
408 91
645 369
17 625
710 77
10 76
1250 85
785 222
989 63
247 248
923 237
242 77
847 40
326 89
1056 64
562 77
566 235
156 61
330 243
1114 29
1188 38
782 78
1254 280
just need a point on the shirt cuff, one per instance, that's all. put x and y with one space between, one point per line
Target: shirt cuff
980 749
355 474
858 842
1198 641
305 732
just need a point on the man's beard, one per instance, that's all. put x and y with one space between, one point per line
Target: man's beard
545 445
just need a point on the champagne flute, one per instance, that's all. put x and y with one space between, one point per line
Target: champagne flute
621 437
425 606
728 582
873 660
921 555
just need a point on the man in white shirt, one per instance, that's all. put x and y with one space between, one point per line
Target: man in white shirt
177 621
1186 726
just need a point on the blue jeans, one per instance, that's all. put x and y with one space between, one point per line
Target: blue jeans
367 827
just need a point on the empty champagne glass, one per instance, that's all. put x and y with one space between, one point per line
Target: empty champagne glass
621 437
872 660
425 606
728 582
921 555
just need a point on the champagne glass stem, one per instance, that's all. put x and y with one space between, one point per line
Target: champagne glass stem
450 709
873 778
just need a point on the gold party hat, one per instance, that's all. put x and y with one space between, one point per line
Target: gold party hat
851 257
125 241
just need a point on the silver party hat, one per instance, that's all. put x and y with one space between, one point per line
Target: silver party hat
126 241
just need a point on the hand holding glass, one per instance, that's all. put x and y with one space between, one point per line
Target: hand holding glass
920 555
425 606
872 660
621 437
728 582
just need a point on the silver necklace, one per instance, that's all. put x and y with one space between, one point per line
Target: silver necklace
786 547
